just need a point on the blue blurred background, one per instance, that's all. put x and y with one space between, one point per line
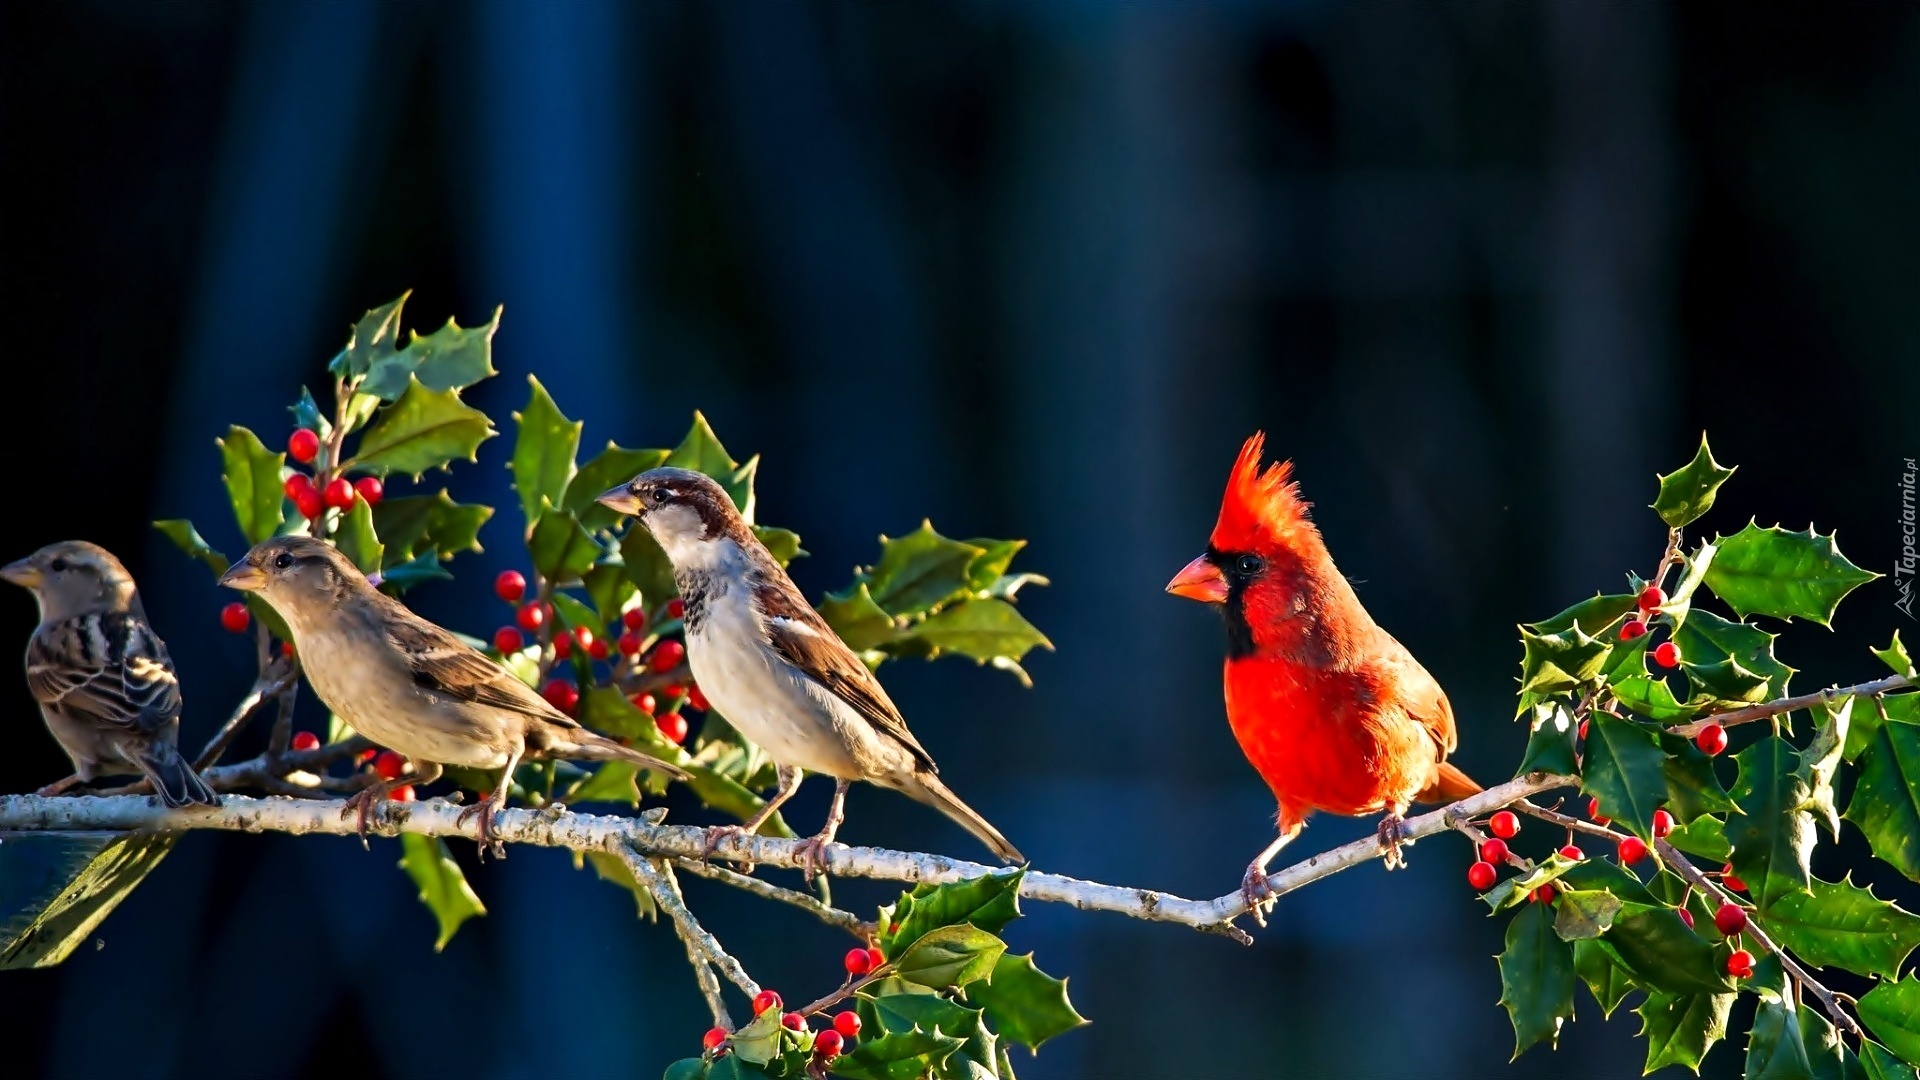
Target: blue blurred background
1027 269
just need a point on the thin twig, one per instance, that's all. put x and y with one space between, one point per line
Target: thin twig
667 895
271 682
1668 558
1750 713
702 967
826 913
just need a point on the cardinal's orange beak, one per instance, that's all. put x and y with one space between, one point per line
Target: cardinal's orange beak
1200 580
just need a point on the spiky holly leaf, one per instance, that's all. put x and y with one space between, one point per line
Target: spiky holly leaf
897 1056
451 358
1025 1004
424 429
562 551
1895 656
1555 663
1784 574
1580 914
1878 1063
782 544
1681 1028
992 562
1516 890
949 956
607 586
701 451
399 577
1536 978
1869 713
1773 836
410 524
646 566
1706 640
543 452
611 466
252 476
1601 874
1703 836
1606 980
1592 615
920 571
1625 770
56 888
904 1012
1662 952
988 902
306 414
980 629
1550 746
1776 1048
188 539
1687 492
443 888
1725 681
1886 798
1821 759
356 539
1840 924
1827 1054
1692 787
369 339
857 619
1652 699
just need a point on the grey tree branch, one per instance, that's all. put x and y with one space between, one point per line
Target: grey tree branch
1787 704
697 957
826 913
666 893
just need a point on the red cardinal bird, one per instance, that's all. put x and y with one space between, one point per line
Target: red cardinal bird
1332 712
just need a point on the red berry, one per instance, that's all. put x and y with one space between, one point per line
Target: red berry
676 608
1505 824
877 956
846 1023
403 793
365 756
634 618
531 617
764 1000
286 649
562 644
673 691
644 702
1652 597
510 586
1481 876
1727 879
371 489
1583 729
1666 654
793 1022
672 726
507 639
303 444
1740 964
561 694
1572 852
1632 849
1633 628
828 1043
1593 811
1711 740
714 1039
389 765
1545 894
696 699
339 493
598 650
630 644
857 962
235 618
1662 823
1686 917
309 503
666 656
1730 918
295 484
583 636
305 740
1493 850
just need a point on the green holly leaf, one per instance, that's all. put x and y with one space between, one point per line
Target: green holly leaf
1886 797
647 566
734 1067
188 539
1580 913
1687 492
1650 698
613 782
1891 1011
1025 1004
1705 837
607 710
1773 836
782 544
1692 787
949 956
425 566
1827 1054
543 453
1601 874
857 619
1661 952
920 571
562 551
573 614
1783 574
988 902
1592 615
1775 1047
1550 746
306 414
57 888
1878 1063
410 524
1821 759
607 586
1516 890
254 487
1681 1028
1555 663
1863 726
1725 681
356 539
1706 640
1840 924
1895 656
370 339
980 629
899 1056
701 451
443 888
425 429
905 1012
450 358
1607 981
613 465
1626 771
1536 978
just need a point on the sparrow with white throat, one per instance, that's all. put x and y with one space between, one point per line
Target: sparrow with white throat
103 678
773 667
408 684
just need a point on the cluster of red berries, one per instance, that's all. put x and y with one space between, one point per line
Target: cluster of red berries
1504 825
828 1044
339 493
1651 599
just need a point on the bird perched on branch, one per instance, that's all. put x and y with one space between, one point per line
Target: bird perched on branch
1332 712
408 684
774 668
103 679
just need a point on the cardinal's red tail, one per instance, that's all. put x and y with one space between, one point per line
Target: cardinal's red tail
1448 784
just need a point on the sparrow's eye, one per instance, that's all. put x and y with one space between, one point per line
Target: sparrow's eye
58 565
659 496
282 561
1249 565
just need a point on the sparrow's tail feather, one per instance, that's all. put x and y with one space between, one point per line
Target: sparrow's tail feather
926 788
1448 784
579 744
173 779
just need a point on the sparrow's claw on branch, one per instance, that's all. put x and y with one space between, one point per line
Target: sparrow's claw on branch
1257 893
483 810
812 853
719 834
363 802
1392 838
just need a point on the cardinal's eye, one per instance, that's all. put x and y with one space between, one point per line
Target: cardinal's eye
57 566
1249 565
282 561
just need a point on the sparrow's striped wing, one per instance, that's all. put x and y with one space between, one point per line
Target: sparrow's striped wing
803 639
441 662
109 668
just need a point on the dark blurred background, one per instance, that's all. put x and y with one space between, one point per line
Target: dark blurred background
1028 269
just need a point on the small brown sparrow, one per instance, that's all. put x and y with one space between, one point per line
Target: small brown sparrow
773 667
409 685
103 679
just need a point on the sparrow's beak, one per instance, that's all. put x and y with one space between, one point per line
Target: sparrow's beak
22 573
244 576
620 500
1200 580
